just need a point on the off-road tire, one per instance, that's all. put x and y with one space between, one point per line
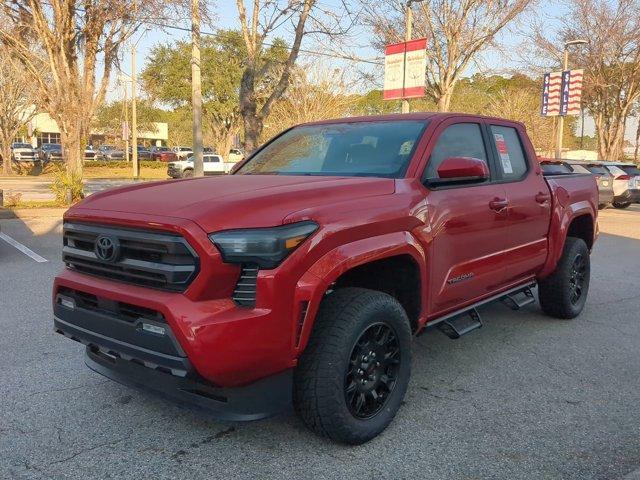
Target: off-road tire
621 205
557 292
320 379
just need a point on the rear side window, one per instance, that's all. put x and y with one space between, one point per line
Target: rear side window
578 168
512 163
459 140
598 170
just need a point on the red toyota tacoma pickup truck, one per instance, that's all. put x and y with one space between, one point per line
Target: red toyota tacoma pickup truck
301 277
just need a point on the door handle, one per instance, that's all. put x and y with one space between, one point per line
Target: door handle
542 197
498 204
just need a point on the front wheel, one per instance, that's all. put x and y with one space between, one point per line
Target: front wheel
352 377
563 294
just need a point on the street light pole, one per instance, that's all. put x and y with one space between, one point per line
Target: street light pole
196 90
565 66
134 116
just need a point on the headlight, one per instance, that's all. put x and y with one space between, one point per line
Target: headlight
266 247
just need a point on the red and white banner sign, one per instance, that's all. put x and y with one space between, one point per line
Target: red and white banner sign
405 69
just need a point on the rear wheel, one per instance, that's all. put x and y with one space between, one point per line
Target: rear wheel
352 377
563 294
188 173
621 204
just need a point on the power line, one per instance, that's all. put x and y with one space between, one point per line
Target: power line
309 52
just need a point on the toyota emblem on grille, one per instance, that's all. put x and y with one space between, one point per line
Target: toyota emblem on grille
107 248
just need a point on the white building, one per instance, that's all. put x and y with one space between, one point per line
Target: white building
45 130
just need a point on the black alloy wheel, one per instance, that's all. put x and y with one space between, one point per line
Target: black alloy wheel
372 371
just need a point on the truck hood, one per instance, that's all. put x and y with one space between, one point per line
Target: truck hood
235 201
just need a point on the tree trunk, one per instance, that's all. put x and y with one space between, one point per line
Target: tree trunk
253 123
7 167
637 149
444 101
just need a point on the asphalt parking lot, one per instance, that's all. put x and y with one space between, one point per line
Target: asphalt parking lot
524 397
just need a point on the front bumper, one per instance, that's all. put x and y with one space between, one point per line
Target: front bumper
169 375
629 196
262 399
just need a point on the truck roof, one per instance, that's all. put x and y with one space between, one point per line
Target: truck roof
411 116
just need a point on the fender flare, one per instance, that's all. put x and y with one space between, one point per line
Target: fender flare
312 286
561 219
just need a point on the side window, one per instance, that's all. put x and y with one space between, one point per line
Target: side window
512 163
215 159
459 140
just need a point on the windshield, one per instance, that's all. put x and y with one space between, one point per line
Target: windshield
377 149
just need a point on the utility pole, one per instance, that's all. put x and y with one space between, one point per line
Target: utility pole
408 35
126 129
196 90
408 32
134 115
565 66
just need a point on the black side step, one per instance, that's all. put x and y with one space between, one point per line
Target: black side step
455 327
515 301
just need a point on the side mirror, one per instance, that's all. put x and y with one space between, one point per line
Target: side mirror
455 170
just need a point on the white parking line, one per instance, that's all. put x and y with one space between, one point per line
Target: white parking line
27 251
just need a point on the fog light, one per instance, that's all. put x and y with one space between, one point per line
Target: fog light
148 327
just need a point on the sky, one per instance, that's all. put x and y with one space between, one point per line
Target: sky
358 43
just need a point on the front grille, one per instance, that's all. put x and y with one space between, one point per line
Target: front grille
124 311
150 259
245 291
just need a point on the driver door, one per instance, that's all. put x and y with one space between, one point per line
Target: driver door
467 224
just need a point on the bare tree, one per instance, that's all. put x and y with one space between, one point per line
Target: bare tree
457 31
263 20
76 46
315 93
16 105
523 106
611 61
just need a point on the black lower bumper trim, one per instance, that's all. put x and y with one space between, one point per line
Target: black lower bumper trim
261 399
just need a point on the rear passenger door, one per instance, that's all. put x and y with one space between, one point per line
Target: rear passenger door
529 201
467 225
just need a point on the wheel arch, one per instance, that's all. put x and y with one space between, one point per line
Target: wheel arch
578 221
351 265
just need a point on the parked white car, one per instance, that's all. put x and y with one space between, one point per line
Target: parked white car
213 165
235 155
183 152
626 185
24 152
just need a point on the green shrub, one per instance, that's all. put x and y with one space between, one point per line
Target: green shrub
64 184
